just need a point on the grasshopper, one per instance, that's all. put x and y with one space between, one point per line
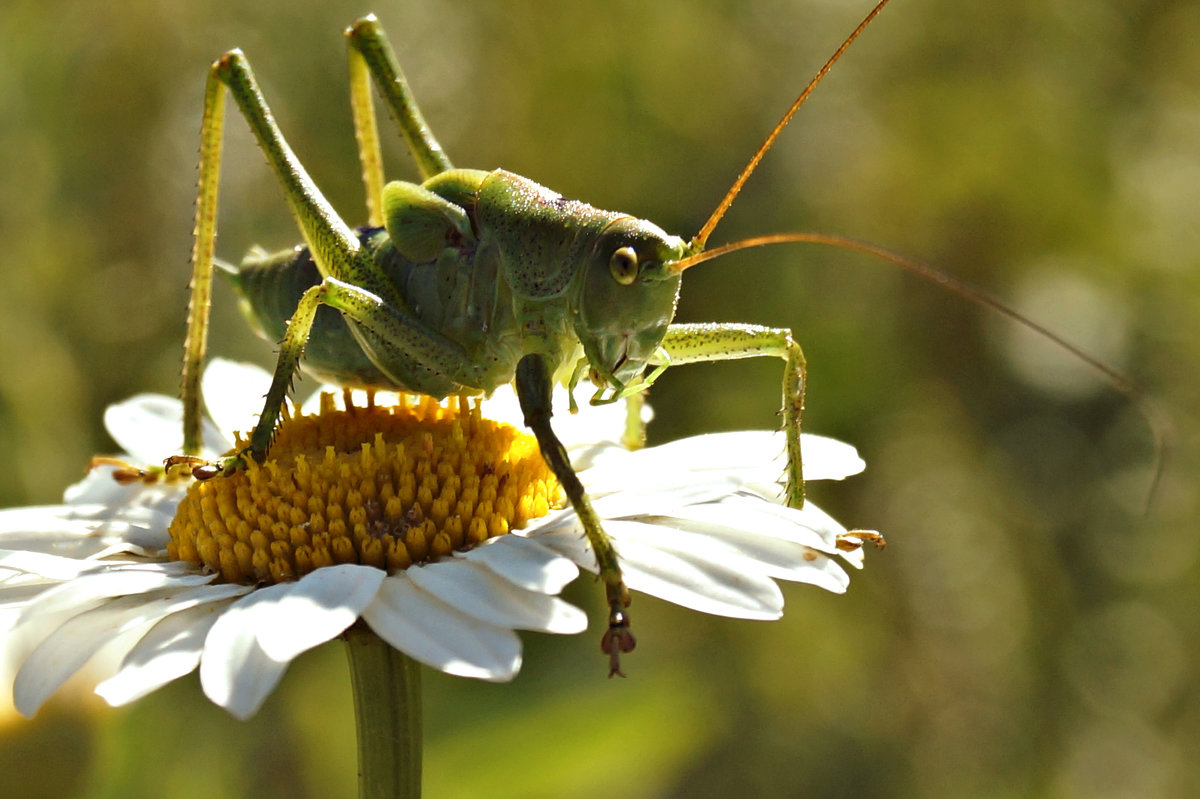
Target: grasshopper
470 280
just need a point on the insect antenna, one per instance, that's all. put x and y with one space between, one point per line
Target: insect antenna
1156 419
702 237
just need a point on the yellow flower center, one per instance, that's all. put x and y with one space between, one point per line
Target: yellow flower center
385 486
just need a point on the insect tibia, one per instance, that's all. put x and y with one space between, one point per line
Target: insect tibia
370 54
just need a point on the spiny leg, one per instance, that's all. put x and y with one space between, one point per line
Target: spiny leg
366 132
696 343
203 245
534 389
334 246
371 53
374 301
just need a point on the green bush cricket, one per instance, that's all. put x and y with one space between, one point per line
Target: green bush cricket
471 280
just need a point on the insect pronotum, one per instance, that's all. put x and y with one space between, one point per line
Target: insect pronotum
471 279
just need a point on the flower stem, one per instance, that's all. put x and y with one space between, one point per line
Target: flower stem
387 711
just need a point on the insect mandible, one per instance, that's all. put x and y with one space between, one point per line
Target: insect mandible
471 280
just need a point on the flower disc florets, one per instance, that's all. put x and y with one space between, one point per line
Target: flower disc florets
384 486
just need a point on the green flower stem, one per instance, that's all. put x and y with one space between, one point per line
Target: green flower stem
387 710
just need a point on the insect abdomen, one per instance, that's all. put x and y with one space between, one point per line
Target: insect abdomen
458 297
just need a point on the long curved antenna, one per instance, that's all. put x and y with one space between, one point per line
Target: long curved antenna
1156 419
706 231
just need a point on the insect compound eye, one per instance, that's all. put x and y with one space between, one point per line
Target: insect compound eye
624 265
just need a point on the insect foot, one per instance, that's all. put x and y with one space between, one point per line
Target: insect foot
853 540
534 392
617 641
202 469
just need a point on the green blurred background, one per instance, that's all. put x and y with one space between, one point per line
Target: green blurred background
1028 632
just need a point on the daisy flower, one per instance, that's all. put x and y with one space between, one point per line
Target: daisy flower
393 516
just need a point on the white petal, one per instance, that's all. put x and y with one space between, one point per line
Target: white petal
649 498
16 594
524 562
80 531
235 672
55 521
829 459
670 467
747 456
694 574
437 635
233 394
98 487
50 567
823 572
662 495
779 557
750 449
774 544
819 521
89 590
150 427
318 607
152 506
601 455
477 591
65 650
809 526
169 650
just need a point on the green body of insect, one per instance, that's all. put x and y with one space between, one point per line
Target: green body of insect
463 283
499 268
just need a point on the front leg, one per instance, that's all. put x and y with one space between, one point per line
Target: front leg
534 390
697 343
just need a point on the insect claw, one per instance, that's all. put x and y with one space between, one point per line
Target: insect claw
178 466
182 466
206 471
616 641
853 540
